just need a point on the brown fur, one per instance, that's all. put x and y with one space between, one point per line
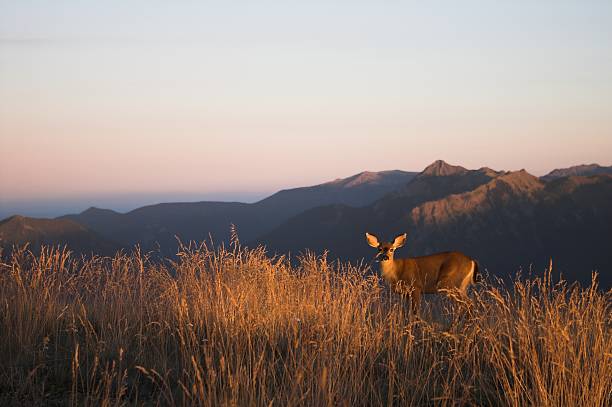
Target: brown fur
426 274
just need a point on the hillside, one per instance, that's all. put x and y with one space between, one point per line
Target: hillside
155 226
18 230
340 228
238 328
357 191
507 221
584 170
515 190
436 181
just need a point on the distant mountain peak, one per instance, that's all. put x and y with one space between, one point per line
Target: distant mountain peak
92 210
18 230
14 218
369 178
521 174
440 168
365 177
583 169
519 181
17 225
576 168
490 172
513 186
19 221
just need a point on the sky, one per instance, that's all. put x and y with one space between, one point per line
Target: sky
121 103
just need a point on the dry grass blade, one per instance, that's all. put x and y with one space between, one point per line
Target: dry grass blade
235 327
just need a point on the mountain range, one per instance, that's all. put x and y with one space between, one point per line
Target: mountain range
20 230
506 220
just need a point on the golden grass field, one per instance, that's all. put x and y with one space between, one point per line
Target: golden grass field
235 327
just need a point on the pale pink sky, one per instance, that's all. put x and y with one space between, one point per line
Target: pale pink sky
148 98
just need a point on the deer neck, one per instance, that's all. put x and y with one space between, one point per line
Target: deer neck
389 269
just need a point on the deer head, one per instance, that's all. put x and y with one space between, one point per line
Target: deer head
385 249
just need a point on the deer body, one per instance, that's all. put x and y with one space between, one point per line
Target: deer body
426 274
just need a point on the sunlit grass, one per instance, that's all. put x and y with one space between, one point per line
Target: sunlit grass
235 327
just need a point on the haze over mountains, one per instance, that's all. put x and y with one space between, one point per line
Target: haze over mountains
507 220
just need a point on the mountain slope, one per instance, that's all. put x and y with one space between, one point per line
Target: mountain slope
359 190
512 221
441 168
436 181
340 228
156 226
517 221
584 170
18 230
495 217
516 189
506 220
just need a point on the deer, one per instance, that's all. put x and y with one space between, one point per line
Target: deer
436 273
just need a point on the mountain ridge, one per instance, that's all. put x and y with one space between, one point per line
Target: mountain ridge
442 168
582 169
19 230
156 225
506 219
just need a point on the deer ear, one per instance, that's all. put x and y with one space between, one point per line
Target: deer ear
372 240
399 241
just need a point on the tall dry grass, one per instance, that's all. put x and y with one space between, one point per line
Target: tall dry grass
234 327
